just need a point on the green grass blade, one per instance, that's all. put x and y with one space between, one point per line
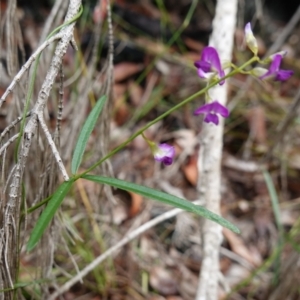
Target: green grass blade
276 210
163 197
85 134
48 213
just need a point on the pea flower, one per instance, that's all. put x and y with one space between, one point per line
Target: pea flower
275 72
211 112
209 64
250 39
163 153
269 59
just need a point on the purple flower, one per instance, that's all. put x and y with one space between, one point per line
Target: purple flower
275 72
209 64
164 153
211 112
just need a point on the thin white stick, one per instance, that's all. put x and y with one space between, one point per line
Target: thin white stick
27 65
210 154
12 210
53 147
12 139
12 125
129 237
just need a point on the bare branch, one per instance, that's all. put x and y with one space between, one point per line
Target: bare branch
53 147
209 160
11 140
12 125
27 65
12 211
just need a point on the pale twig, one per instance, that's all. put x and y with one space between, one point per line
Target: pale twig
237 258
12 125
111 251
60 107
11 140
7 268
7 182
11 216
53 147
210 155
27 65
11 40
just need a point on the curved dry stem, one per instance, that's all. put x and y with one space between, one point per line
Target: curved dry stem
27 65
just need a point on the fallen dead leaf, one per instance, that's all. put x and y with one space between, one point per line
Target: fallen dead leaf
124 70
191 171
136 204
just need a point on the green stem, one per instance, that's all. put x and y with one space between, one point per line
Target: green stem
162 116
121 146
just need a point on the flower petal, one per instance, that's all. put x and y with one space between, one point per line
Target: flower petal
205 66
282 53
220 109
275 72
167 149
283 75
209 64
203 74
167 161
274 67
164 153
204 109
213 118
210 55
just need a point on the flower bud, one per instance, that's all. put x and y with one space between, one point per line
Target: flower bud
258 71
250 39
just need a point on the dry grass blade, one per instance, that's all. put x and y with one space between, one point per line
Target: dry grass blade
31 149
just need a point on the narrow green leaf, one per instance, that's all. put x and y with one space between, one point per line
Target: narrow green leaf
85 134
163 197
48 213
